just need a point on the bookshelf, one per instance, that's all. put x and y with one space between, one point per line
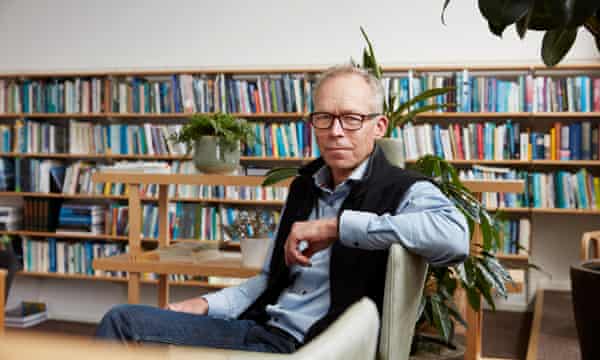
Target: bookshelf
108 112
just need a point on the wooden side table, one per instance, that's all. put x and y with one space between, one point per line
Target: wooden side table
137 261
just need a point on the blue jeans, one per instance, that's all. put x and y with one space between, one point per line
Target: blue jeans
142 323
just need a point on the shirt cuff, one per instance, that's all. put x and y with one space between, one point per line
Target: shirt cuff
353 228
218 305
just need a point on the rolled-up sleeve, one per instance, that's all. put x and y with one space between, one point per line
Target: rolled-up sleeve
426 222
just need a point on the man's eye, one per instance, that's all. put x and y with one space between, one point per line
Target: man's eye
351 118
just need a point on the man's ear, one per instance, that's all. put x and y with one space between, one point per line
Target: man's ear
381 126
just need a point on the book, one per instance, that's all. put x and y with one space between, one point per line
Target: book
25 314
189 251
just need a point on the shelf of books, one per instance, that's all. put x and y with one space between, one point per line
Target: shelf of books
56 129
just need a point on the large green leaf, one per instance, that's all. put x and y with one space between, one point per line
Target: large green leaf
401 119
485 288
474 298
548 15
580 10
494 278
372 61
501 13
441 320
523 23
276 175
425 95
556 44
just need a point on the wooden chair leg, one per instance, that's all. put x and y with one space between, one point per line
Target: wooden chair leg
590 245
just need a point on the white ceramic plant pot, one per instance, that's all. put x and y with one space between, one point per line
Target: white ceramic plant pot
211 157
254 251
392 149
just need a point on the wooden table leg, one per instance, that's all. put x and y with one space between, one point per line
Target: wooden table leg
133 289
3 275
474 318
163 241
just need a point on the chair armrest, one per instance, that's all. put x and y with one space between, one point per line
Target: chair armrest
404 283
353 336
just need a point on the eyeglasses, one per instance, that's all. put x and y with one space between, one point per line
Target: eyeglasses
348 121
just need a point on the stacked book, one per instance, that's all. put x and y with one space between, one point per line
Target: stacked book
25 315
10 218
148 167
81 218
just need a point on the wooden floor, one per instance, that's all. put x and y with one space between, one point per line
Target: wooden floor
554 336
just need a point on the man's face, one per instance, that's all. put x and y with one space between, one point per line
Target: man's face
343 150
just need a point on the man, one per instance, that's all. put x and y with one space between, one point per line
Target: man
342 214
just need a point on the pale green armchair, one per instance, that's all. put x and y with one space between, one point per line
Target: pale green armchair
354 335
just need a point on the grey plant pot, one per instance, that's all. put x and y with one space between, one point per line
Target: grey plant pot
211 157
392 148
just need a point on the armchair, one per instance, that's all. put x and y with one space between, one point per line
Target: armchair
354 335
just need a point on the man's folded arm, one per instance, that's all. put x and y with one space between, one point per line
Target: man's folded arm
425 222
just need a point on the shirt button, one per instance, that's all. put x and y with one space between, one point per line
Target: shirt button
303 292
276 319
356 243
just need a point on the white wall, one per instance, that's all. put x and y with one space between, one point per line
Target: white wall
85 34
74 35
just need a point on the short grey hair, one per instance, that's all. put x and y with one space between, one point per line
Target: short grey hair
349 69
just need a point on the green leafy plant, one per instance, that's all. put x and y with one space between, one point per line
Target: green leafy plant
228 128
560 19
481 275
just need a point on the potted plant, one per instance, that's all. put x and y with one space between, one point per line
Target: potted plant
481 275
215 140
253 229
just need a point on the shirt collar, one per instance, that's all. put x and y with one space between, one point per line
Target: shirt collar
323 176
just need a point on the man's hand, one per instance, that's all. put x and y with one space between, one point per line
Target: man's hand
194 306
318 235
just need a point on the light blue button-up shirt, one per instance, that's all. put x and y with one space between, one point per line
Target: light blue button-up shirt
426 223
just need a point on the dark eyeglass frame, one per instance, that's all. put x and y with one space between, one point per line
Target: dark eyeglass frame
363 117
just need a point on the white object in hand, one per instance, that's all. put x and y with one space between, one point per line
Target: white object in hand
302 245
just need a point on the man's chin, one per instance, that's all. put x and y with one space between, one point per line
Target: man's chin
339 163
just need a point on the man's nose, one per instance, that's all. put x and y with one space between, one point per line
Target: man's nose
336 128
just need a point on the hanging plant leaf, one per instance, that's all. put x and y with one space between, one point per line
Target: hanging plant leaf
556 44
501 13
548 15
579 11
444 7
